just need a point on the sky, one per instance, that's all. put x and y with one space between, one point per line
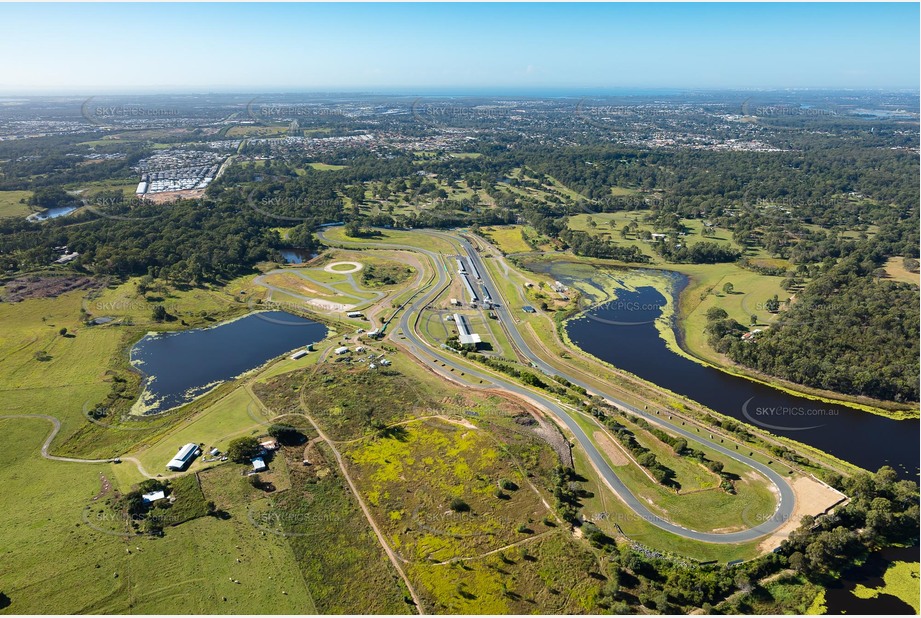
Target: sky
419 48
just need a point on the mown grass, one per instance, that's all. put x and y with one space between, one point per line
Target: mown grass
393 237
57 563
326 166
709 510
229 417
618 521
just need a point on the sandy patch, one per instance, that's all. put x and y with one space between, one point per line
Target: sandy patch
331 268
295 284
458 421
610 448
164 197
812 498
326 305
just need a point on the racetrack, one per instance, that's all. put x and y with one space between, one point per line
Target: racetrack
443 362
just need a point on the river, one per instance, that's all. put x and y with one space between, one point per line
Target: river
624 334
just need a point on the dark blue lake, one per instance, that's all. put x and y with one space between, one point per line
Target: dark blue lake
180 366
623 333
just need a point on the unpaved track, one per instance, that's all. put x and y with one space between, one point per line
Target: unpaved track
367 512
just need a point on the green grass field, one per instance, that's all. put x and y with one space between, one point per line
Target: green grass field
508 238
698 506
63 564
229 417
393 237
10 205
326 166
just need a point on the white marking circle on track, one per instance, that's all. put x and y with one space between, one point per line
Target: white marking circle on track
356 266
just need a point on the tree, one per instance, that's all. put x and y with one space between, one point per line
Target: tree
773 305
797 561
63 332
679 444
728 288
159 313
353 229
754 319
716 313
286 434
243 449
459 506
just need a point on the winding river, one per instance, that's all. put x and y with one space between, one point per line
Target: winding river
624 334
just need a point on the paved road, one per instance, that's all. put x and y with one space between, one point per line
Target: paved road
435 358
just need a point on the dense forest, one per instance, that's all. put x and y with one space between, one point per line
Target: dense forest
186 241
847 332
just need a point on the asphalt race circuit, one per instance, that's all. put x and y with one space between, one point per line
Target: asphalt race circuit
437 359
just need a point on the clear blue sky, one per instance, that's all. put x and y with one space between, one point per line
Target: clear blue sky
92 48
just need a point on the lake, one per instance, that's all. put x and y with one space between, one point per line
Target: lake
51 213
181 366
624 334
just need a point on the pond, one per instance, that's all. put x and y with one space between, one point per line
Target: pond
51 213
624 334
181 366
296 256
841 599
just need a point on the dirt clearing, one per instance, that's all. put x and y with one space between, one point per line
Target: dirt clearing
612 450
812 498
24 288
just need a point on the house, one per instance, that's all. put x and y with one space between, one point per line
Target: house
215 451
385 362
259 465
354 314
298 354
341 350
269 444
529 309
183 457
360 349
153 496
